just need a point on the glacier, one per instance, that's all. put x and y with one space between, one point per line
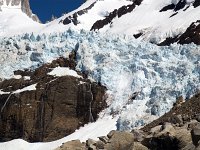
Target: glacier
143 80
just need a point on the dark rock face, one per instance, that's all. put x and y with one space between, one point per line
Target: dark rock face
180 5
74 18
191 35
163 142
168 7
57 107
196 3
116 13
195 136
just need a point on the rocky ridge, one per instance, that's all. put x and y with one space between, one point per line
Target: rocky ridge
191 35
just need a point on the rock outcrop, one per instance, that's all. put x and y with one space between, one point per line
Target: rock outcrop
23 4
191 35
56 108
116 13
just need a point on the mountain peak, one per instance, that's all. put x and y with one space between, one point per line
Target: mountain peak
19 4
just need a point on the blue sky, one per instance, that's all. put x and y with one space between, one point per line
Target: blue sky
46 8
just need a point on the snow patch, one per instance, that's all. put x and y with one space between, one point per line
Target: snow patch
63 71
92 130
28 88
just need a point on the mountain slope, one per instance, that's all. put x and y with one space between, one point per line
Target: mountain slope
154 20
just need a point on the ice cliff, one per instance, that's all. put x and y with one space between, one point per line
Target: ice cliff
143 80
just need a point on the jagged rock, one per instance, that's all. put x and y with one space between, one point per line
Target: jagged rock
176 119
116 13
189 146
156 129
196 3
92 147
90 142
161 137
72 145
164 142
186 118
166 129
193 124
74 17
138 135
57 107
195 133
103 139
25 7
191 35
198 117
99 145
183 136
110 134
120 141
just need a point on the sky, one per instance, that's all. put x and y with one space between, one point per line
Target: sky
46 8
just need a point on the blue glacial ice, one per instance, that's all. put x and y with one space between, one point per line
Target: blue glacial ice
143 80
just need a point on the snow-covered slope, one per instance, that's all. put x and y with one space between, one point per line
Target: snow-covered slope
146 18
151 19
16 18
155 25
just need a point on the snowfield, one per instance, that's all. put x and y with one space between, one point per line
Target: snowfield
146 18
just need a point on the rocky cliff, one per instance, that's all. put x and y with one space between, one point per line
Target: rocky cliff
54 109
22 4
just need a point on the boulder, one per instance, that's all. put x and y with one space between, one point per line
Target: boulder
138 135
139 146
183 136
72 145
103 139
99 145
120 141
195 133
90 142
198 117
